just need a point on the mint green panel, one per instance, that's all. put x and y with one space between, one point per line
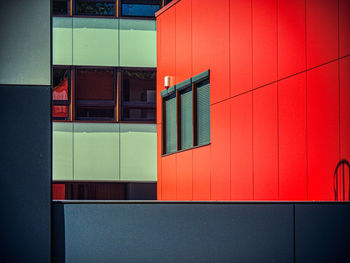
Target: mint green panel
62 40
96 151
95 41
62 151
138 152
138 43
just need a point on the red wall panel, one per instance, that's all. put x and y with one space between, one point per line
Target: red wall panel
240 46
160 71
264 42
292 138
159 162
241 148
169 177
220 151
345 108
291 37
219 50
344 27
322 31
265 143
201 173
200 42
184 175
183 41
323 130
58 191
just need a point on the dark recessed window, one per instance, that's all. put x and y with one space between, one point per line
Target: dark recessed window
203 112
186 118
167 2
60 93
94 7
138 95
169 124
95 96
61 7
139 8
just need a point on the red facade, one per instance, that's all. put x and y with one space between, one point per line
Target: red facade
279 103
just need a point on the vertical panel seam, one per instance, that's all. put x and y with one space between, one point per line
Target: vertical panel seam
339 83
252 54
278 129
306 109
229 66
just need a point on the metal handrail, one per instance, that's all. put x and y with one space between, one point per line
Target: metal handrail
342 163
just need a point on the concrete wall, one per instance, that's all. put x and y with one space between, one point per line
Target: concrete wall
25 134
104 151
201 232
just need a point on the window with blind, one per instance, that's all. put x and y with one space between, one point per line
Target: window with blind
186 114
170 124
203 112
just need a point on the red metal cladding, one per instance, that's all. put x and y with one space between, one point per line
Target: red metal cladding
184 175
169 177
241 148
220 151
344 27
201 173
58 191
159 162
292 138
345 108
323 130
322 31
183 41
265 149
291 37
264 42
240 46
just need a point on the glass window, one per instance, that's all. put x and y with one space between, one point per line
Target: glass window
61 7
167 2
139 8
60 93
95 7
170 124
203 112
139 95
186 118
95 96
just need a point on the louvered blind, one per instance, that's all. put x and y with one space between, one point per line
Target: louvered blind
203 102
170 109
186 119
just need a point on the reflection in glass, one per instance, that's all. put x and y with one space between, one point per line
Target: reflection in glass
94 7
139 95
140 9
60 93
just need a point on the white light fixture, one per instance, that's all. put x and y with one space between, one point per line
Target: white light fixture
167 81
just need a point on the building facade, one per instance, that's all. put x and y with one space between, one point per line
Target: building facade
104 85
279 100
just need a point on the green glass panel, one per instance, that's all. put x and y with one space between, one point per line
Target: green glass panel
203 102
186 119
62 40
170 108
95 41
138 152
62 151
96 151
138 43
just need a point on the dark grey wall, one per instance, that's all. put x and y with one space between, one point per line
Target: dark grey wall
156 232
25 134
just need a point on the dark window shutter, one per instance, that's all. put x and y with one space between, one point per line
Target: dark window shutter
186 119
170 109
203 102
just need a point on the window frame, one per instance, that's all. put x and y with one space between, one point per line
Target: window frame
121 70
180 87
150 2
63 102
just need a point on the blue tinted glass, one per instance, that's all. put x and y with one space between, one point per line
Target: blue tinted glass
139 9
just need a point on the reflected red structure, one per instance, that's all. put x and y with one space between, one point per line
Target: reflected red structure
279 102
60 93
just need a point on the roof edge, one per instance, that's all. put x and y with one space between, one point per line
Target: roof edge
161 11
